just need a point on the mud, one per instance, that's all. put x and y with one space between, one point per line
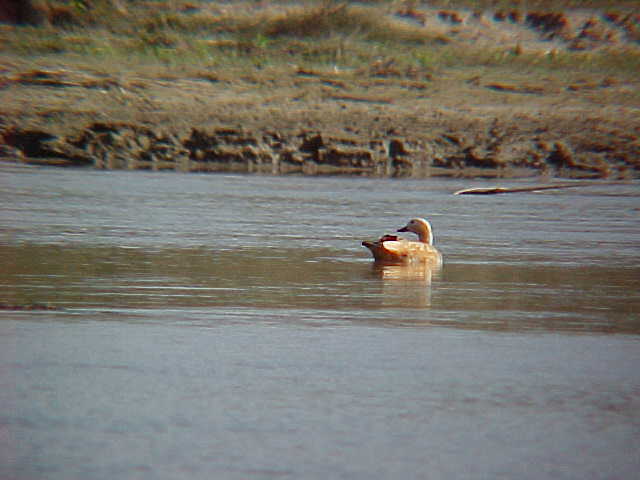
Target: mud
227 149
494 149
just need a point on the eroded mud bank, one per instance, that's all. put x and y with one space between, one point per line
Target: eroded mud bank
231 149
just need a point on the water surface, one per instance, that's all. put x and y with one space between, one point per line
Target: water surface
221 326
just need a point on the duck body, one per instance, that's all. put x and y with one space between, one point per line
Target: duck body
393 250
401 252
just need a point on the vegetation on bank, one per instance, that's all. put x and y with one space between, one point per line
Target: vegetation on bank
324 87
362 36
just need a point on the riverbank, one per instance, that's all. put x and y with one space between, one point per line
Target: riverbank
450 92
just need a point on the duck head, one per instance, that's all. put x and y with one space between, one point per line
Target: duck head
420 227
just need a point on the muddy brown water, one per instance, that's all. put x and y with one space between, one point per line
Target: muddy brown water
228 326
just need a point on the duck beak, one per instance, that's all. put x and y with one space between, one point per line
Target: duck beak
403 229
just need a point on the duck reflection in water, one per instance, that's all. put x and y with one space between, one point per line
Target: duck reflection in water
406 286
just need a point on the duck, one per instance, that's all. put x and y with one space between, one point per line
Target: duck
394 250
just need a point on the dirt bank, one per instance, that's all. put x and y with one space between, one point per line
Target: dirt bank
386 118
320 124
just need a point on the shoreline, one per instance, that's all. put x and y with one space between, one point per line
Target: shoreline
454 95
238 149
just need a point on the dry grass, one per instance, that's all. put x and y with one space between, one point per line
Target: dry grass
348 36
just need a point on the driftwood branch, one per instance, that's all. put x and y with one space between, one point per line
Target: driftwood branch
532 188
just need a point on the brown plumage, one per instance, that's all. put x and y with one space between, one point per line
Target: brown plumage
393 250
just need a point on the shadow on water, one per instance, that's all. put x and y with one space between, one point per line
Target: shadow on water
321 282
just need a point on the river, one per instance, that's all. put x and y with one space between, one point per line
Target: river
233 327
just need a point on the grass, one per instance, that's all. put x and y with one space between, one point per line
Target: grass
315 33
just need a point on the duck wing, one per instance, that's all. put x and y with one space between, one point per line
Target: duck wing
390 251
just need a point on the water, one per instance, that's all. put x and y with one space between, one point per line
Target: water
220 326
